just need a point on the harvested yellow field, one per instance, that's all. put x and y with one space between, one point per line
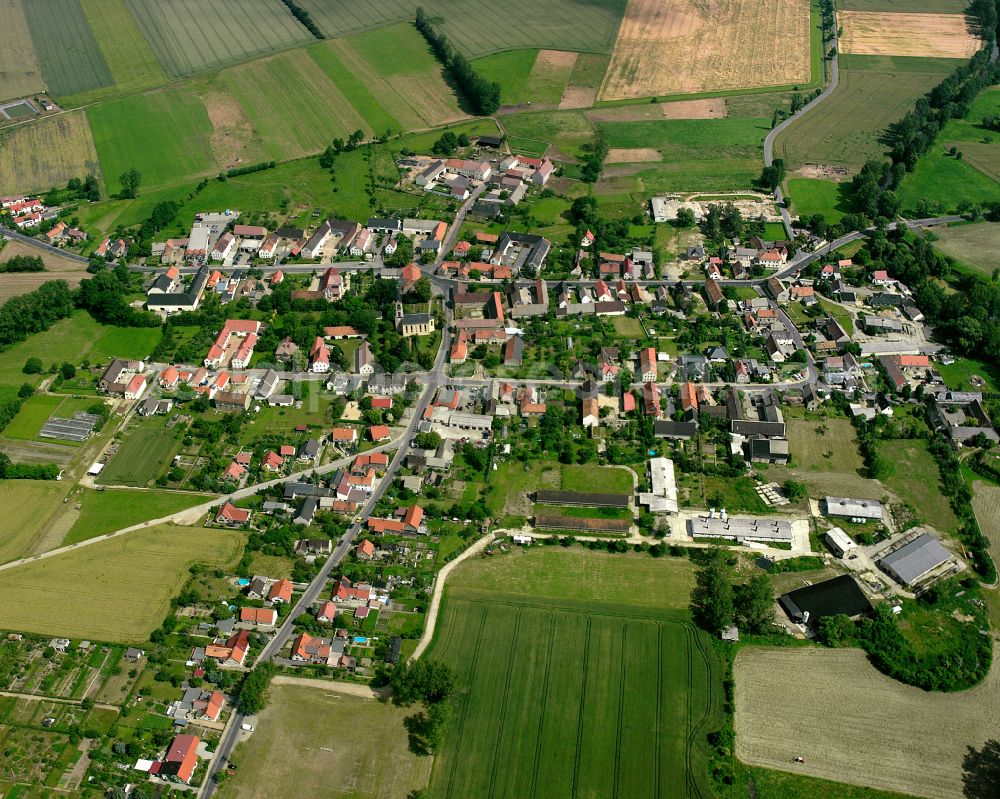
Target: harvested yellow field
852 724
632 155
19 72
56 268
708 108
888 33
686 46
114 590
46 152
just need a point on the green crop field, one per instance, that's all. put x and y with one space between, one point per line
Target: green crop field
28 504
562 24
105 511
115 590
572 697
917 481
942 179
67 51
163 134
192 36
18 65
143 455
975 245
873 93
294 108
46 153
126 51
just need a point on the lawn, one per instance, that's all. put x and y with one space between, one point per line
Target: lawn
513 480
958 375
164 134
917 481
829 445
361 741
106 511
600 479
874 92
144 454
198 35
67 51
811 196
121 588
46 153
28 505
575 696
629 327
975 245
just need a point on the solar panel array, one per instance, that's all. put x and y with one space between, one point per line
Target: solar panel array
78 428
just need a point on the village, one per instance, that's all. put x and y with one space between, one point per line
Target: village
369 400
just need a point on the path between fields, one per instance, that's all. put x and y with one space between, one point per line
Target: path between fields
432 613
337 686
57 699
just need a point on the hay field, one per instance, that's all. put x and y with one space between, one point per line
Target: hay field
685 47
973 245
67 52
357 747
293 106
873 93
888 33
853 724
19 71
57 268
115 590
986 502
191 36
28 506
46 153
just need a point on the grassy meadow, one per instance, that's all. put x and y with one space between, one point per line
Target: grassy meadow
29 504
814 196
917 481
975 246
143 456
105 511
115 590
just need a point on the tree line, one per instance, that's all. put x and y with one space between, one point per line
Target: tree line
304 17
482 94
23 263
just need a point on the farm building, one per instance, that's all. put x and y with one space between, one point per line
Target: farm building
663 496
840 595
848 508
839 542
916 561
582 499
740 529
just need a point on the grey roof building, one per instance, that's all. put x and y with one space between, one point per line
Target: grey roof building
912 562
848 507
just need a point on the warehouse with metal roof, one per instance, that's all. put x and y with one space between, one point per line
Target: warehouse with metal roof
916 560
848 507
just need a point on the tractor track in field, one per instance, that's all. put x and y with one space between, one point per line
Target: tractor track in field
542 704
583 699
506 697
621 714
